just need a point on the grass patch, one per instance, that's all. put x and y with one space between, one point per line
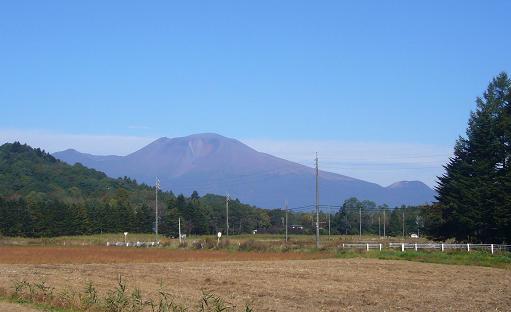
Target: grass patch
477 258
119 299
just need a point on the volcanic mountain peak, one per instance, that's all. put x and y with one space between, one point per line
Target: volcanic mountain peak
211 163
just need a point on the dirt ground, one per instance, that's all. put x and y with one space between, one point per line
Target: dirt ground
282 284
90 254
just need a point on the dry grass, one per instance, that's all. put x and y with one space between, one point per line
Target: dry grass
267 281
269 239
277 285
314 285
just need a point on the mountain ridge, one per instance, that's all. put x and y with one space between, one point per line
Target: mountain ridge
211 163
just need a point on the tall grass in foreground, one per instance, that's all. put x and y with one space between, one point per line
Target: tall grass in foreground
119 299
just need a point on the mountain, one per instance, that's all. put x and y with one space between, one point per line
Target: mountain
210 163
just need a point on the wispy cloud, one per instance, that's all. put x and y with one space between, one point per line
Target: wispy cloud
383 163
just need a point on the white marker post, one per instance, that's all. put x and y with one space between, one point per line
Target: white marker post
125 238
492 249
218 238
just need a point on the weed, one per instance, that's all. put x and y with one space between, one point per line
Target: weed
90 297
116 300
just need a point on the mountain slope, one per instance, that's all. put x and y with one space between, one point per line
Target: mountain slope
210 163
30 171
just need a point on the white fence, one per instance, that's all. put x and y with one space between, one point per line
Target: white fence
365 246
133 244
429 246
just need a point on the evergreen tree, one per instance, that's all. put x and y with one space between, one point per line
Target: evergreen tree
474 191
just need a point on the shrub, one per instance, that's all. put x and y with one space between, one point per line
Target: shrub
252 245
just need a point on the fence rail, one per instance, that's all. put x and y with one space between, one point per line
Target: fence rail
430 246
133 244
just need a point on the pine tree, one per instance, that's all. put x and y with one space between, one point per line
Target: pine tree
474 191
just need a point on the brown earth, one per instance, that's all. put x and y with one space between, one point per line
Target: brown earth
281 284
61 255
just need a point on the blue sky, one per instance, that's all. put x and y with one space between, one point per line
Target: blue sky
381 88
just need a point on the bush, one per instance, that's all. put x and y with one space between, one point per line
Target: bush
198 244
210 243
253 245
183 244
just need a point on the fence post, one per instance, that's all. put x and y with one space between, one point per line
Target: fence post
415 246
442 247
380 247
402 247
367 247
492 249
468 247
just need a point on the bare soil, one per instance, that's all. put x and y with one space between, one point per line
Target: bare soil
275 284
93 254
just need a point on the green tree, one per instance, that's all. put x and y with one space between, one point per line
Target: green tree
474 191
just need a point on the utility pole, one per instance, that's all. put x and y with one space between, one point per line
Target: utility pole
403 222
286 220
157 188
317 203
227 214
329 223
346 221
360 222
379 227
179 228
384 233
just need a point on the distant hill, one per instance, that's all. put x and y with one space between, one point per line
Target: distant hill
43 196
210 163
25 170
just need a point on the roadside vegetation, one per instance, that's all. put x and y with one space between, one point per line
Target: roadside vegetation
331 247
122 298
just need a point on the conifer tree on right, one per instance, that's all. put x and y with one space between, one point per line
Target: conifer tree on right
475 191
